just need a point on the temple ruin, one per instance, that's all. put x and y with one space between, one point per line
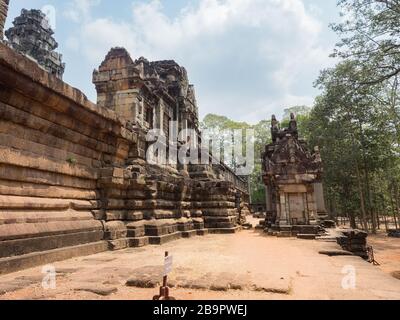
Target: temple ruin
74 179
292 175
32 35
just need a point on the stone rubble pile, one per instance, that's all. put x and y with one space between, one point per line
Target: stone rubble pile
354 241
394 233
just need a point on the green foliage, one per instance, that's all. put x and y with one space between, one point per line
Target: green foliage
71 160
262 136
370 34
299 111
356 119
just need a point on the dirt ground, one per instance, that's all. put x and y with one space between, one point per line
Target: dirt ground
246 265
387 252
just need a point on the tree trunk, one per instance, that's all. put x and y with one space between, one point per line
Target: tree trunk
393 208
367 183
362 201
396 195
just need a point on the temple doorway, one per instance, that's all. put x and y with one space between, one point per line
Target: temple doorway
297 208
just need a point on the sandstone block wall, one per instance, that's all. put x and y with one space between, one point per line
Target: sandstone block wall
73 175
55 146
3 15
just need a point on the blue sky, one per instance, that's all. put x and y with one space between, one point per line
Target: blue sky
248 59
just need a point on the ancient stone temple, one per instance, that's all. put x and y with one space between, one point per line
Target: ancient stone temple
74 176
33 36
3 15
293 181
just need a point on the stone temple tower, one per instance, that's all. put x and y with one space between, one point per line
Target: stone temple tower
32 35
292 176
3 15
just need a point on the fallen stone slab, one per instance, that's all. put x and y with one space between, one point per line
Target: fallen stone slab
99 260
335 253
146 277
64 271
31 279
394 233
214 281
396 275
143 282
221 281
241 282
11 287
272 285
97 289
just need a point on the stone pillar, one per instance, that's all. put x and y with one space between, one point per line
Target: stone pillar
319 199
268 198
161 117
3 15
283 219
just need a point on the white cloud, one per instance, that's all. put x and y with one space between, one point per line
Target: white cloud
79 10
276 42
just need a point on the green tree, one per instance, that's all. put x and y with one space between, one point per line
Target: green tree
370 34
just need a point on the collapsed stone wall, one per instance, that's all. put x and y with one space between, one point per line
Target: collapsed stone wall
74 181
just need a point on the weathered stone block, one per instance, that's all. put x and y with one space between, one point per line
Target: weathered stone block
115 230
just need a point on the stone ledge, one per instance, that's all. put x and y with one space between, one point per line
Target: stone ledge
138 242
202 232
165 238
224 230
19 247
14 264
189 234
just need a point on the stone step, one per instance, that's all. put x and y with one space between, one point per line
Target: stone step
224 230
284 234
165 238
189 234
118 244
202 232
306 236
20 247
13 264
138 242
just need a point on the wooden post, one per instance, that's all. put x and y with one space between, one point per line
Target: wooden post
165 279
164 290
